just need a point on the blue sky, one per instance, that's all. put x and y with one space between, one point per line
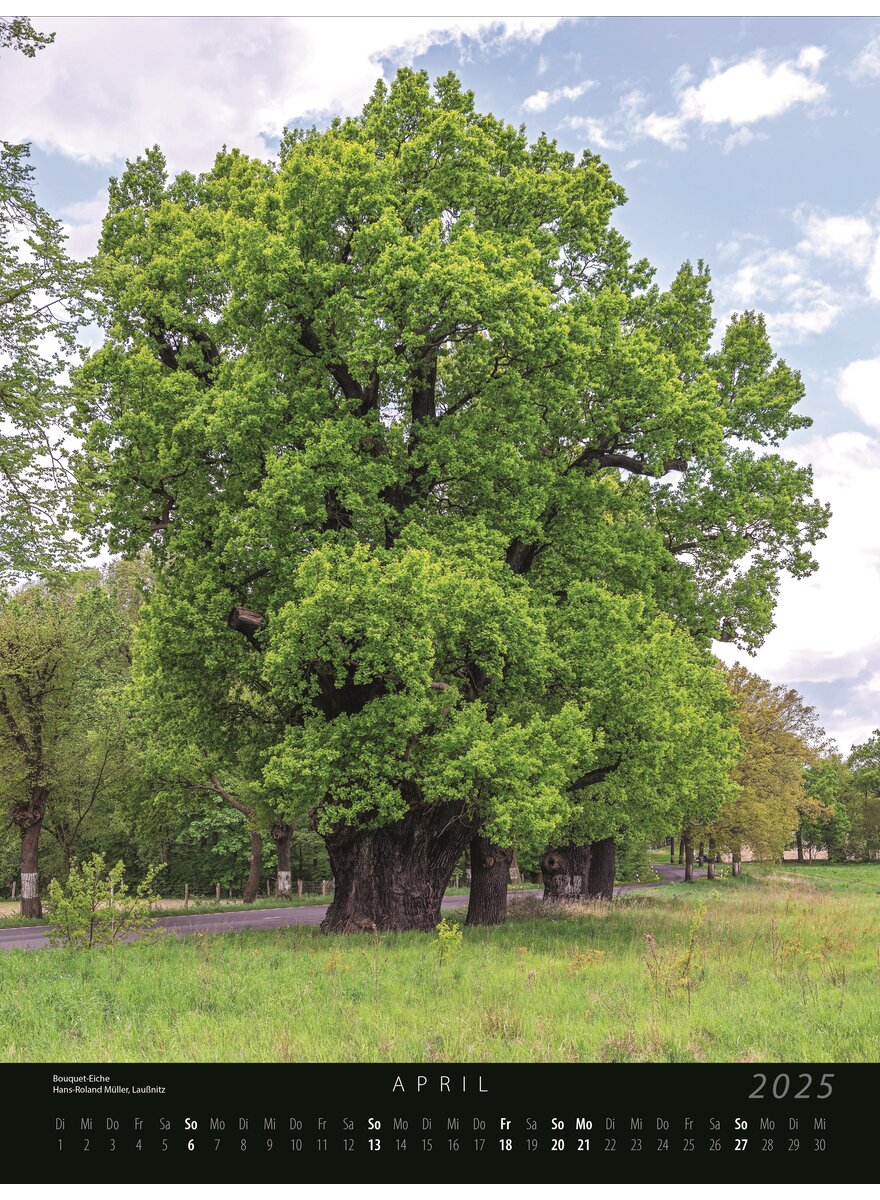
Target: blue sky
753 143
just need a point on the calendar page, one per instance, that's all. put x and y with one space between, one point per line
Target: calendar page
496 1123
439 670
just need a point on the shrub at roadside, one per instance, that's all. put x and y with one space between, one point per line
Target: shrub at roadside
95 907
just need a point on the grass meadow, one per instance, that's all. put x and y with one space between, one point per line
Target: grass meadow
782 964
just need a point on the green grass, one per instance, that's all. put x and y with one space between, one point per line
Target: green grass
779 965
662 856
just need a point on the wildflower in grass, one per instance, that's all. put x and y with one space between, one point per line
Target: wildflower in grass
448 940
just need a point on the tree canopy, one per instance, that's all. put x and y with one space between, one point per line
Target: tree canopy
448 497
780 775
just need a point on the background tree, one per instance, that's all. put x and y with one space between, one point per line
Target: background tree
380 411
63 656
863 799
668 742
780 737
41 301
824 821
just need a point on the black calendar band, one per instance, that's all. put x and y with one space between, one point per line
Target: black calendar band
500 1123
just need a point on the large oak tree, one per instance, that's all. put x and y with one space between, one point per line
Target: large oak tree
384 411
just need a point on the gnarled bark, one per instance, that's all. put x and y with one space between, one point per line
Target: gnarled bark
565 870
490 872
603 859
394 878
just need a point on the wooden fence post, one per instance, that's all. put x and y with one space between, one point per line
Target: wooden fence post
13 888
186 895
218 892
299 887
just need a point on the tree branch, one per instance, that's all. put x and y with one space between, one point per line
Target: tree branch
595 776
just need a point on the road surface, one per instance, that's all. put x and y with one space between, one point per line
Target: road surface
35 937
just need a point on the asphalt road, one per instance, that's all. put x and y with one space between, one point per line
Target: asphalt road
34 937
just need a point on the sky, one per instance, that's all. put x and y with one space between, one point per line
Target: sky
750 142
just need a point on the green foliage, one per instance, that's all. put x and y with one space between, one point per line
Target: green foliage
488 489
65 753
824 817
632 864
17 33
780 737
448 939
94 908
864 762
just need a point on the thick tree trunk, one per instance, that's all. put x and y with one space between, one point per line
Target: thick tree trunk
394 878
281 835
490 872
688 860
565 870
800 846
255 868
30 869
603 859
710 866
736 861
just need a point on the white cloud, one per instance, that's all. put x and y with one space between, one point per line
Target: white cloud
858 388
872 279
846 239
867 63
540 101
796 303
666 129
753 90
826 626
797 324
82 224
742 137
805 289
811 58
595 132
738 95
107 89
